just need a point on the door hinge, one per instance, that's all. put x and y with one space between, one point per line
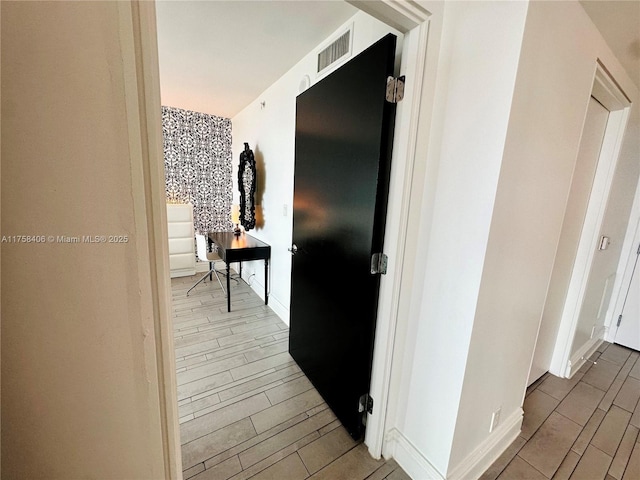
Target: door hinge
619 320
365 404
395 89
378 263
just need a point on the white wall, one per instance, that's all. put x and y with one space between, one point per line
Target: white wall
473 97
78 374
510 102
270 132
79 368
568 81
553 86
574 216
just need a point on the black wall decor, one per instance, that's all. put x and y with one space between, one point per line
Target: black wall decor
247 187
197 163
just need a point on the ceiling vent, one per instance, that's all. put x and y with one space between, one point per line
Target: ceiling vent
335 53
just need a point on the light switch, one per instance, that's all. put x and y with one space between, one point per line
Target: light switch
604 243
285 210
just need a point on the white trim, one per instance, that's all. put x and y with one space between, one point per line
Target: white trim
409 457
278 307
402 172
275 304
625 265
607 92
579 358
596 208
481 458
138 42
403 15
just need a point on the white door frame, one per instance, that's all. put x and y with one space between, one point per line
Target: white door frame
628 257
413 21
138 39
606 91
138 44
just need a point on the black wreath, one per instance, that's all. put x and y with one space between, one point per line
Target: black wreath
247 187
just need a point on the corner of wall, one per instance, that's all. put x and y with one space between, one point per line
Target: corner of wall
400 448
439 421
481 458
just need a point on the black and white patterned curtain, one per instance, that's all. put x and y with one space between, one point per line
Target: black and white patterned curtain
197 165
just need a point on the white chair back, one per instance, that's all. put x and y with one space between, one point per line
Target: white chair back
201 247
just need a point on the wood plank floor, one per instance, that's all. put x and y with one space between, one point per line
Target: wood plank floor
246 409
585 428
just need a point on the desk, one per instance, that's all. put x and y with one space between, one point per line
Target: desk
232 248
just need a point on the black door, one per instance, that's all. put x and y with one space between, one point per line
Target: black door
344 129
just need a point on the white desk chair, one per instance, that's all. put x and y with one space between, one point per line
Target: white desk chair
206 256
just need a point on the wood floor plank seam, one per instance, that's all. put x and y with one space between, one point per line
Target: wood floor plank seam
534 467
219 351
233 384
225 359
263 437
623 453
236 450
606 440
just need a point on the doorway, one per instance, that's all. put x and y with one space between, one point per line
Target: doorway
627 310
344 127
581 286
583 177
410 121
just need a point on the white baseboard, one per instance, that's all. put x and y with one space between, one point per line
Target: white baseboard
275 304
183 272
279 308
478 461
588 349
409 457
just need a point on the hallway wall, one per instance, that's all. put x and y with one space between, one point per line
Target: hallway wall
553 86
79 372
505 159
474 87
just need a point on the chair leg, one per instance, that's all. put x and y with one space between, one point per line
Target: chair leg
218 277
210 274
200 281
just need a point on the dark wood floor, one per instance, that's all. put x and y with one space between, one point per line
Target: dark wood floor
585 428
246 409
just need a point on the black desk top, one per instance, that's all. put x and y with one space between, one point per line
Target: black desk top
238 248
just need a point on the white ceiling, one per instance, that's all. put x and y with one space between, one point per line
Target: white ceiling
217 56
619 24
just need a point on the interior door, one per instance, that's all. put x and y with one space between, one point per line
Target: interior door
600 280
628 333
575 212
342 158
